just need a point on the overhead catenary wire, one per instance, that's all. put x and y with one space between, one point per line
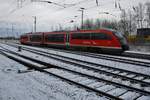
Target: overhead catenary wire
88 8
66 5
69 6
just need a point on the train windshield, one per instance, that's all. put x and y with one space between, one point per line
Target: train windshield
119 34
121 37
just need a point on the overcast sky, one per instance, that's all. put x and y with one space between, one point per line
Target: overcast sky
49 15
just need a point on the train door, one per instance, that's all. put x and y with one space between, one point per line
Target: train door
67 39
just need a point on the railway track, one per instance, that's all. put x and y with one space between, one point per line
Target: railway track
59 73
109 57
136 55
99 67
106 57
134 80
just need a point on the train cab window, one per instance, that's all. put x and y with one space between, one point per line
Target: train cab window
121 37
35 38
119 34
81 36
100 36
54 38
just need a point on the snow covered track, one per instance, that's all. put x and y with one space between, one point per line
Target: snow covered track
137 54
108 57
108 86
87 62
87 65
41 69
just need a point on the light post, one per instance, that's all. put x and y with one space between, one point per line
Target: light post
12 29
7 29
50 2
34 23
82 12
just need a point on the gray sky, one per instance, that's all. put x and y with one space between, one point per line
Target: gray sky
49 15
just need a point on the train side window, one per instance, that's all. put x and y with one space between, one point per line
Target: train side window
81 36
54 38
100 36
35 38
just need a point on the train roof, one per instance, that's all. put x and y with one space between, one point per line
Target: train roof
103 29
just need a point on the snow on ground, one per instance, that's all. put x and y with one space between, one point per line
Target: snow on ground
140 48
36 86
136 68
138 52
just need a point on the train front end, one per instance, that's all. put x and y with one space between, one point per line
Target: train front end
123 40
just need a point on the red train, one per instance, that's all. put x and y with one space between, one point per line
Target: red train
103 40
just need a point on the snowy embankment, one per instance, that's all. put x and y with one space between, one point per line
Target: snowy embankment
36 86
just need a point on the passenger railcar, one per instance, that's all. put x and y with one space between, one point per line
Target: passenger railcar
55 39
36 38
102 40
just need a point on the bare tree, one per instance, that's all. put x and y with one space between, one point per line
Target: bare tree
139 14
88 24
148 13
123 23
131 22
98 24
